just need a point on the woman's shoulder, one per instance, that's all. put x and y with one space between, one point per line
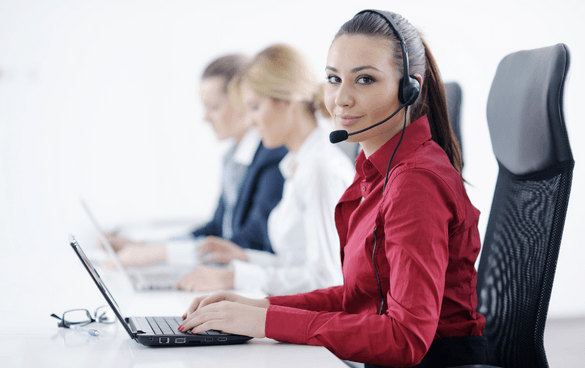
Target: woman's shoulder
429 171
330 160
431 158
432 163
265 156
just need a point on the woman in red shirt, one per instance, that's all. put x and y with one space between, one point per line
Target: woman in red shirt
408 231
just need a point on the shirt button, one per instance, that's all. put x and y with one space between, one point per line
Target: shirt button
363 189
368 165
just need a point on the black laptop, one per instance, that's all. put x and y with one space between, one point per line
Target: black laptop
155 331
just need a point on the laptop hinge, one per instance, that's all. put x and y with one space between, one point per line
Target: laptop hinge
135 329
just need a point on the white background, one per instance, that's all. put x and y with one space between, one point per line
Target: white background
99 99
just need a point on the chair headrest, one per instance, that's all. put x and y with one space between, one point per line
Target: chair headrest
525 110
454 95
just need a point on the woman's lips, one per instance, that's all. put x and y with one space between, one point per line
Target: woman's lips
348 120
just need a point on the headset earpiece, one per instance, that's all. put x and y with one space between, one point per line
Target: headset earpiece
408 90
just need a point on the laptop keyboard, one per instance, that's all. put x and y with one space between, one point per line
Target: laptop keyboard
169 326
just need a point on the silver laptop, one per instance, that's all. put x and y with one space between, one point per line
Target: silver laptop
158 277
155 331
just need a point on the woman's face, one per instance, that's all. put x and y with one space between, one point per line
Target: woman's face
226 121
266 114
362 89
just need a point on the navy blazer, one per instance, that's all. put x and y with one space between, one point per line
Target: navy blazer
259 194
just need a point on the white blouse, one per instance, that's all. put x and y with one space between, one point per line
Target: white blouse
302 226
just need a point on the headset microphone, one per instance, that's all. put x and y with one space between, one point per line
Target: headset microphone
337 136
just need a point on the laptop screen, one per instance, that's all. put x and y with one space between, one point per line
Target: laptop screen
100 284
104 240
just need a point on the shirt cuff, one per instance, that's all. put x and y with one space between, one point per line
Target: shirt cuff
287 324
247 275
262 258
183 253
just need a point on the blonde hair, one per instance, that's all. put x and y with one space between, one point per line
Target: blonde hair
281 72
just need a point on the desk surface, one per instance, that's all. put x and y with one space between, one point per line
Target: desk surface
37 282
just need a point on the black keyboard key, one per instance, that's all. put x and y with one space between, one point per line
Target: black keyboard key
154 326
164 326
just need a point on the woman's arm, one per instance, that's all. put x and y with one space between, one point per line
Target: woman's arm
416 247
253 232
329 300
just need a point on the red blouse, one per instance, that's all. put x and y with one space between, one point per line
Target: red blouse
427 244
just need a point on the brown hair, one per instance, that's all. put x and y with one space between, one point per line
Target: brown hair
226 67
281 72
431 101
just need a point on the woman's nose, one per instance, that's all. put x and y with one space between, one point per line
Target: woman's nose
344 96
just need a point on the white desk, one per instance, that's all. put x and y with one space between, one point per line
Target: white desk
36 283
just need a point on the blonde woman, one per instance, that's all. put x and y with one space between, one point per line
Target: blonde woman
282 96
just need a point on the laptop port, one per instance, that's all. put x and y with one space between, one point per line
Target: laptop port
164 340
180 340
222 339
208 339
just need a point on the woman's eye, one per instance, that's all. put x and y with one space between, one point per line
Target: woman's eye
365 80
333 79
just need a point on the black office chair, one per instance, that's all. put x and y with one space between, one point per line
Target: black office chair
521 247
454 97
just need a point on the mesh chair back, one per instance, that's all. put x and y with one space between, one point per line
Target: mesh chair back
521 246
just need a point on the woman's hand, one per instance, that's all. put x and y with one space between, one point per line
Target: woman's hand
202 301
217 250
118 241
228 317
207 278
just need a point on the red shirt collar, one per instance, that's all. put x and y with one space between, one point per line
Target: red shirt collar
415 134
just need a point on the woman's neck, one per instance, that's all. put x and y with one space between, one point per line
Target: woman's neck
301 128
372 145
239 134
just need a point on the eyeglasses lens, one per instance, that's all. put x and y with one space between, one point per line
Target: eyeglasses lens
77 317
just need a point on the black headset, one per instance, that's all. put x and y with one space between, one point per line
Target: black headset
409 87
408 92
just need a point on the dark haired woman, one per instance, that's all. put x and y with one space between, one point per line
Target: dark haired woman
408 244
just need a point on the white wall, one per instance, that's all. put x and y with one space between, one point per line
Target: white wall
99 99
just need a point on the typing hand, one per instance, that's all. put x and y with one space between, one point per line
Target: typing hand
207 278
202 301
228 317
218 250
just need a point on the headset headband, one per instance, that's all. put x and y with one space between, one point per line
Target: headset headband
409 89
